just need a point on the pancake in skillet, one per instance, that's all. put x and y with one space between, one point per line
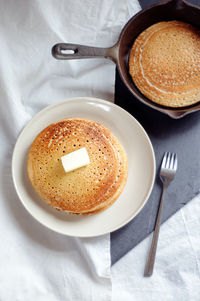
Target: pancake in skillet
164 63
86 190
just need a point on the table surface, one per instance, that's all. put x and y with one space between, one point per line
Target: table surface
180 136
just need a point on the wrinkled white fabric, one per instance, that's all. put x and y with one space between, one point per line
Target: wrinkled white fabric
36 263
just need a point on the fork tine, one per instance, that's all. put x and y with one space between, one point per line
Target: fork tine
164 160
168 160
172 161
175 162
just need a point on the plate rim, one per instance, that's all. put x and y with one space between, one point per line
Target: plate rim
94 100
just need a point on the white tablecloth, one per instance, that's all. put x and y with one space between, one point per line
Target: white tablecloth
36 263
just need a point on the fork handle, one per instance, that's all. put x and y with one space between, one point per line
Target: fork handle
152 253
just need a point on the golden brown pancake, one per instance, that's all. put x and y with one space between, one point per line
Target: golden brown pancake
164 63
86 190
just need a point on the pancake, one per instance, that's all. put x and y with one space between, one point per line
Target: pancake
89 189
164 64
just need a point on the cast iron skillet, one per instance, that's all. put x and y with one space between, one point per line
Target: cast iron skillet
164 11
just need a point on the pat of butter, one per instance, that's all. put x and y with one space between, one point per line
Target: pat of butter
76 159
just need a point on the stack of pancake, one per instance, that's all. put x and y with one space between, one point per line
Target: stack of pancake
164 63
86 190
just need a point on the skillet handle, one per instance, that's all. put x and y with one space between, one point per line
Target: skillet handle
66 51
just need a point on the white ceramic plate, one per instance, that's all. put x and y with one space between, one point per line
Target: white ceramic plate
141 168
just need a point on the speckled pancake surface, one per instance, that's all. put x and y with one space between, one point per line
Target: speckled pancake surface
86 190
164 63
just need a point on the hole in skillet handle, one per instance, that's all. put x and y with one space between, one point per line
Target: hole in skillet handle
67 51
64 51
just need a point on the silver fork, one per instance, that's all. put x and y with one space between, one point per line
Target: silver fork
167 173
